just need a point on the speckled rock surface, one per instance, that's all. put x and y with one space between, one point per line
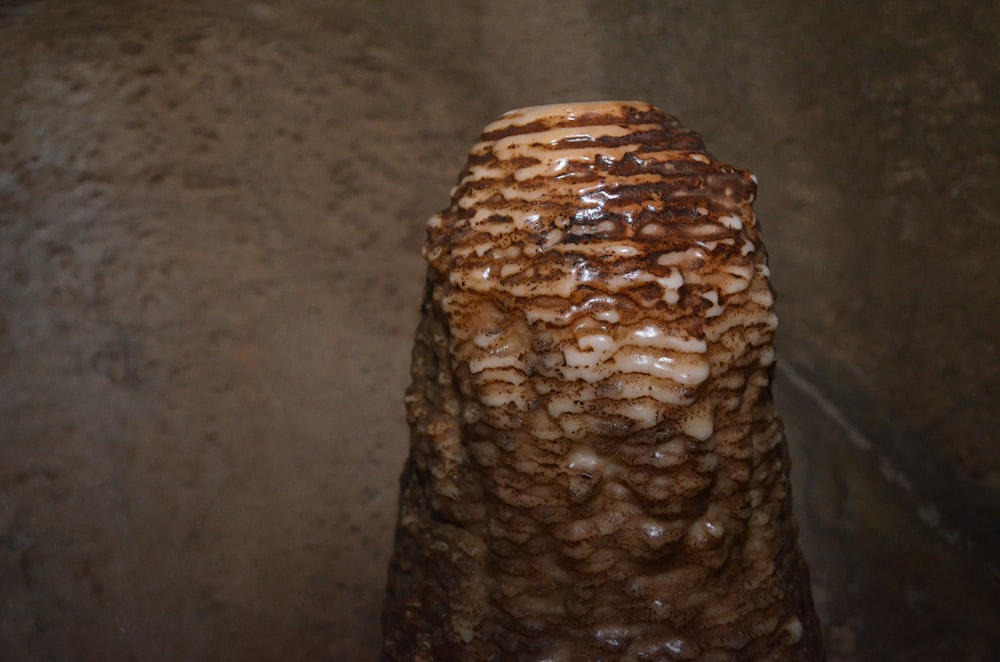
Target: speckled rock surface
210 228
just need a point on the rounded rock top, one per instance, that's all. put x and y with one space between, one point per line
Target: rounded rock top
615 240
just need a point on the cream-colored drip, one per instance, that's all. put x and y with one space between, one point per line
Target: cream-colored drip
566 113
518 184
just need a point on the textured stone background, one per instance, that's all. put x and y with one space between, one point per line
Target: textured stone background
210 223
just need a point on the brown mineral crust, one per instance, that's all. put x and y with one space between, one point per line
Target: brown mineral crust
596 469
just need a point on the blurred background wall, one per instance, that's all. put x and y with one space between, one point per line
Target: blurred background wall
210 226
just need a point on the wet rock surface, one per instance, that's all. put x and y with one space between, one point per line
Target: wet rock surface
210 231
596 468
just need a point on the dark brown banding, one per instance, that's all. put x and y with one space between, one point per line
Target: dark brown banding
596 468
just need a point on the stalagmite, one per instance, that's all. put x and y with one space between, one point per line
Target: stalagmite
596 468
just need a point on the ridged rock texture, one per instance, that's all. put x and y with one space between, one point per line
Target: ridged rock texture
596 471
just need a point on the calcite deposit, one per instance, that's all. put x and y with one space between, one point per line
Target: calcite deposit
596 468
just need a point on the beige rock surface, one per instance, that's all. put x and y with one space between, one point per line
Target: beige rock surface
210 223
